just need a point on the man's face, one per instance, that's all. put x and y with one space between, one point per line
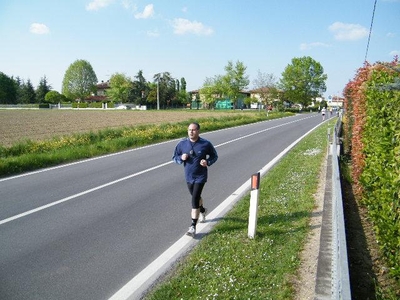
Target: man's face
193 132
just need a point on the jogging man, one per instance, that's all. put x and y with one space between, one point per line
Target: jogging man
196 154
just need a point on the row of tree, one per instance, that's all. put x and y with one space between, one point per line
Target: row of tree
18 91
302 81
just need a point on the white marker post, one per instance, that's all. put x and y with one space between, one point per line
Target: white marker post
255 185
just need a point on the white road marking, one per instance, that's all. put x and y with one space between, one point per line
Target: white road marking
4 221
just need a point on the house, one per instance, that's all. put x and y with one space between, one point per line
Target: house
100 94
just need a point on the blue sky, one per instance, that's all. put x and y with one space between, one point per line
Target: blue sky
194 39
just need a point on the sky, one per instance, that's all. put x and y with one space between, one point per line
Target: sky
195 39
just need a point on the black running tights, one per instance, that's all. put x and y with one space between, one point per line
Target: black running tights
195 190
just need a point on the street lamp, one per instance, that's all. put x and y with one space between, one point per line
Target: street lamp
158 93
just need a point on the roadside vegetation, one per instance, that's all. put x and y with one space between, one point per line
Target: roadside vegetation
30 155
372 148
226 264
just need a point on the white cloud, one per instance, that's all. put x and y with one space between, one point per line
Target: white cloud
348 32
147 12
308 46
153 33
38 28
394 52
390 34
97 4
183 26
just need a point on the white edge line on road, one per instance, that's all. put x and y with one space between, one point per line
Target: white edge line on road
139 284
80 162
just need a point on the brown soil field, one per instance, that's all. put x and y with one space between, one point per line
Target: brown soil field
19 125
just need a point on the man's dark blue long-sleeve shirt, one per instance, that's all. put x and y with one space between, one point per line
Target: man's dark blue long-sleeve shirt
201 149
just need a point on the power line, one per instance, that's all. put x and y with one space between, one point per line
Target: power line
370 31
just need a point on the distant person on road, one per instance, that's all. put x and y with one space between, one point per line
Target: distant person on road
196 154
323 112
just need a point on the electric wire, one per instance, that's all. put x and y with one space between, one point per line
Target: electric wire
370 31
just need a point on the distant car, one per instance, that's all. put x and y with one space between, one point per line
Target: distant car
121 107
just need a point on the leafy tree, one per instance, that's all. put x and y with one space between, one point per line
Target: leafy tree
54 97
28 94
42 90
79 80
8 89
266 87
166 87
303 80
213 89
120 86
235 80
182 97
152 95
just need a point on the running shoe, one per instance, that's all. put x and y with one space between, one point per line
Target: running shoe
192 231
203 216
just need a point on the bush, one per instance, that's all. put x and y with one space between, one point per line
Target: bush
373 135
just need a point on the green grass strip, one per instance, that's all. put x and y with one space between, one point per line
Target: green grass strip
226 264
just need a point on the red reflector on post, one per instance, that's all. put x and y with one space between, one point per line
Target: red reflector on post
255 181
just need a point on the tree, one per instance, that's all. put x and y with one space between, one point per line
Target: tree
28 94
303 80
183 84
166 87
140 89
266 87
213 89
79 80
54 97
235 80
120 86
8 89
42 90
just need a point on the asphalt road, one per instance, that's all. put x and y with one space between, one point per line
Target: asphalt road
83 230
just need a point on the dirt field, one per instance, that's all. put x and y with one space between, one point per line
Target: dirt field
17 125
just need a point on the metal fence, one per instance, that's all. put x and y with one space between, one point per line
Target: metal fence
333 281
340 270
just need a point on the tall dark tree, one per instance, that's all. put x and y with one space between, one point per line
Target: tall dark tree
183 84
8 90
18 86
28 95
42 90
166 88
140 89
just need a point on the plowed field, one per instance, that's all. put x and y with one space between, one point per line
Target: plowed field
18 125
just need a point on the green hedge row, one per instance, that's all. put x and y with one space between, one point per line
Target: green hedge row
375 148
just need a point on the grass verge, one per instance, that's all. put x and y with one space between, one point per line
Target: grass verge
226 264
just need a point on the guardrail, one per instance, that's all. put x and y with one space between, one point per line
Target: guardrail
333 280
340 271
